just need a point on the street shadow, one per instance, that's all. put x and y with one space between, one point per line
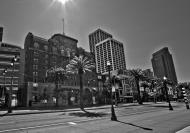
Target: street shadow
1 115
88 114
45 108
163 106
144 128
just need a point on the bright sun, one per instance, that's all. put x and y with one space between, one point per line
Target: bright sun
63 2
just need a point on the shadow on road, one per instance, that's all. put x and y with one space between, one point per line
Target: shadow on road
88 114
135 125
1 115
163 106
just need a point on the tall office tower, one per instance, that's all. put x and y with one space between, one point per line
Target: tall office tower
1 34
109 50
163 65
96 37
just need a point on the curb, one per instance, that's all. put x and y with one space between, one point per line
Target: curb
64 110
74 109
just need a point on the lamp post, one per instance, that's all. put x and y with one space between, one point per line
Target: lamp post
91 91
4 74
57 77
166 91
14 59
99 80
153 83
114 89
113 116
185 98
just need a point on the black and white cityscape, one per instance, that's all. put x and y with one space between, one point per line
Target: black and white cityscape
78 66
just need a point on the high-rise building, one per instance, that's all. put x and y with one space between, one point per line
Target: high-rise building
105 48
109 50
96 37
162 63
1 34
148 73
11 75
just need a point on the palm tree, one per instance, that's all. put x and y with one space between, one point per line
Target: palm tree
144 85
137 75
80 64
56 74
153 84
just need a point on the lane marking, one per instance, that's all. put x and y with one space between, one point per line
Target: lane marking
34 119
72 123
26 128
66 123
42 126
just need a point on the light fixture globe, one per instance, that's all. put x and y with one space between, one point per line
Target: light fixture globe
164 78
108 63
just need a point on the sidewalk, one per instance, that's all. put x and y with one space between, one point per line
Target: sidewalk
163 121
25 111
185 130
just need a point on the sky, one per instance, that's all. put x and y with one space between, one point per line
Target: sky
143 26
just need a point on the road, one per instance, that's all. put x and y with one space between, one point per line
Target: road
145 118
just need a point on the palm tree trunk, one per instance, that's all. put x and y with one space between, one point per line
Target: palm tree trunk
56 93
139 93
144 97
81 90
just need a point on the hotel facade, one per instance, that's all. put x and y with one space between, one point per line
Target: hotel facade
44 54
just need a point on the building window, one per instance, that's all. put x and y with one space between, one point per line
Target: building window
35 67
36 54
36 45
46 48
54 49
46 56
46 62
35 74
35 80
35 60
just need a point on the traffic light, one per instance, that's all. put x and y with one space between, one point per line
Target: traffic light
185 98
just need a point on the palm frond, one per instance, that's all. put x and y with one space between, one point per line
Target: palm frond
82 63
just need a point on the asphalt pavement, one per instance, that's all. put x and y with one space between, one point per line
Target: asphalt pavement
157 122
25 111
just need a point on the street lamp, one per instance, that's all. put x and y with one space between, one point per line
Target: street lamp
113 116
166 91
14 59
185 98
4 74
57 79
92 90
99 80
114 88
153 83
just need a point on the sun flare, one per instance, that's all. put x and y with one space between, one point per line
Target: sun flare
63 2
